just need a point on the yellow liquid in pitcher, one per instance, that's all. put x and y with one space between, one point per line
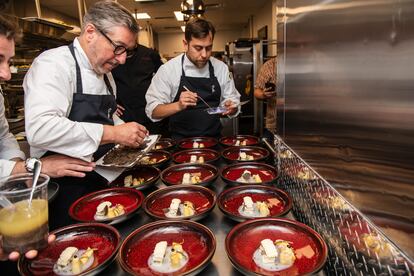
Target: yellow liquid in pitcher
23 219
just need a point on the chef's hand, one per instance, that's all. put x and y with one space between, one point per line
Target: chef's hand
119 110
269 93
58 165
231 108
31 254
187 98
130 134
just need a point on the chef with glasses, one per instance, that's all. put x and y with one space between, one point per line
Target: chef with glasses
70 99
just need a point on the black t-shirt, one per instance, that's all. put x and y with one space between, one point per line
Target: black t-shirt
132 81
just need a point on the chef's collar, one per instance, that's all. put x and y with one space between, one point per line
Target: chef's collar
83 59
189 65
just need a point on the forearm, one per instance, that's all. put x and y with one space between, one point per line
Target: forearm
19 168
165 110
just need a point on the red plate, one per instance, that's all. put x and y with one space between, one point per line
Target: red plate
203 199
161 156
199 244
245 238
164 144
150 175
187 143
232 153
103 237
84 209
174 175
231 140
184 156
231 199
231 173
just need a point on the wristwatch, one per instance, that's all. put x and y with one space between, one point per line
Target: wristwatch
29 164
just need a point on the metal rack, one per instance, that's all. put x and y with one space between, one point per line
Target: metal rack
319 205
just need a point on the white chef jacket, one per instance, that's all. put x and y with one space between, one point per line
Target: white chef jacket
9 148
165 83
49 86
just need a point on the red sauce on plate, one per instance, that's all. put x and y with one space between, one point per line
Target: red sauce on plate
86 209
206 141
245 242
231 140
234 173
176 176
201 202
185 156
233 153
43 264
233 203
141 249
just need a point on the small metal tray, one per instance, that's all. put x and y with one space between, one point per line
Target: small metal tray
150 143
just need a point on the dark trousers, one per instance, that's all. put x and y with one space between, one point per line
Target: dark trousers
71 189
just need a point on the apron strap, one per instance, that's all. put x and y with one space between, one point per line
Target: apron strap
79 87
108 85
182 65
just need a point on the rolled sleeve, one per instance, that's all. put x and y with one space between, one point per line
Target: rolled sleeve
229 91
6 167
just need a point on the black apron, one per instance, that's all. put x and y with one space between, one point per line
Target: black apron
195 121
85 108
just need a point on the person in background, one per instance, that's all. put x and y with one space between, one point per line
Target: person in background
132 81
11 157
177 86
70 100
265 89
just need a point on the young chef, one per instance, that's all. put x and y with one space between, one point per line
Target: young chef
177 87
70 99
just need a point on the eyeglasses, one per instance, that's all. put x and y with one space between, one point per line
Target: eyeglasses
119 49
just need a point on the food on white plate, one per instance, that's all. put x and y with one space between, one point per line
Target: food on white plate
130 181
180 210
245 157
257 209
191 178
168 259
73 261
105 210
274 255
247 177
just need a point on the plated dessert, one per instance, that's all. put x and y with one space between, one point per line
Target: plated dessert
197 142
239 140
164 144
249 173
154 158
199 156
168 248
275 246
139 178
245 154
200 174
254 201
78 249
110 205
180 202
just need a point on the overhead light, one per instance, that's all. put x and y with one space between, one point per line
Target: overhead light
179 15
142 15
192 7
183 29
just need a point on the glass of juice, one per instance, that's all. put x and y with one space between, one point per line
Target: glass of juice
23 226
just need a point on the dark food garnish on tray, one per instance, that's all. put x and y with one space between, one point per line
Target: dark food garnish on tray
123 155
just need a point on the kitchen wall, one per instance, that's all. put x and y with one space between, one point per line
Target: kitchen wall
171 44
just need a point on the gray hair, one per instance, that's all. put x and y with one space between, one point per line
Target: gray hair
107 14
9 29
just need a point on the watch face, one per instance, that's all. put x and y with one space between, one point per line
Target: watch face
30 164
